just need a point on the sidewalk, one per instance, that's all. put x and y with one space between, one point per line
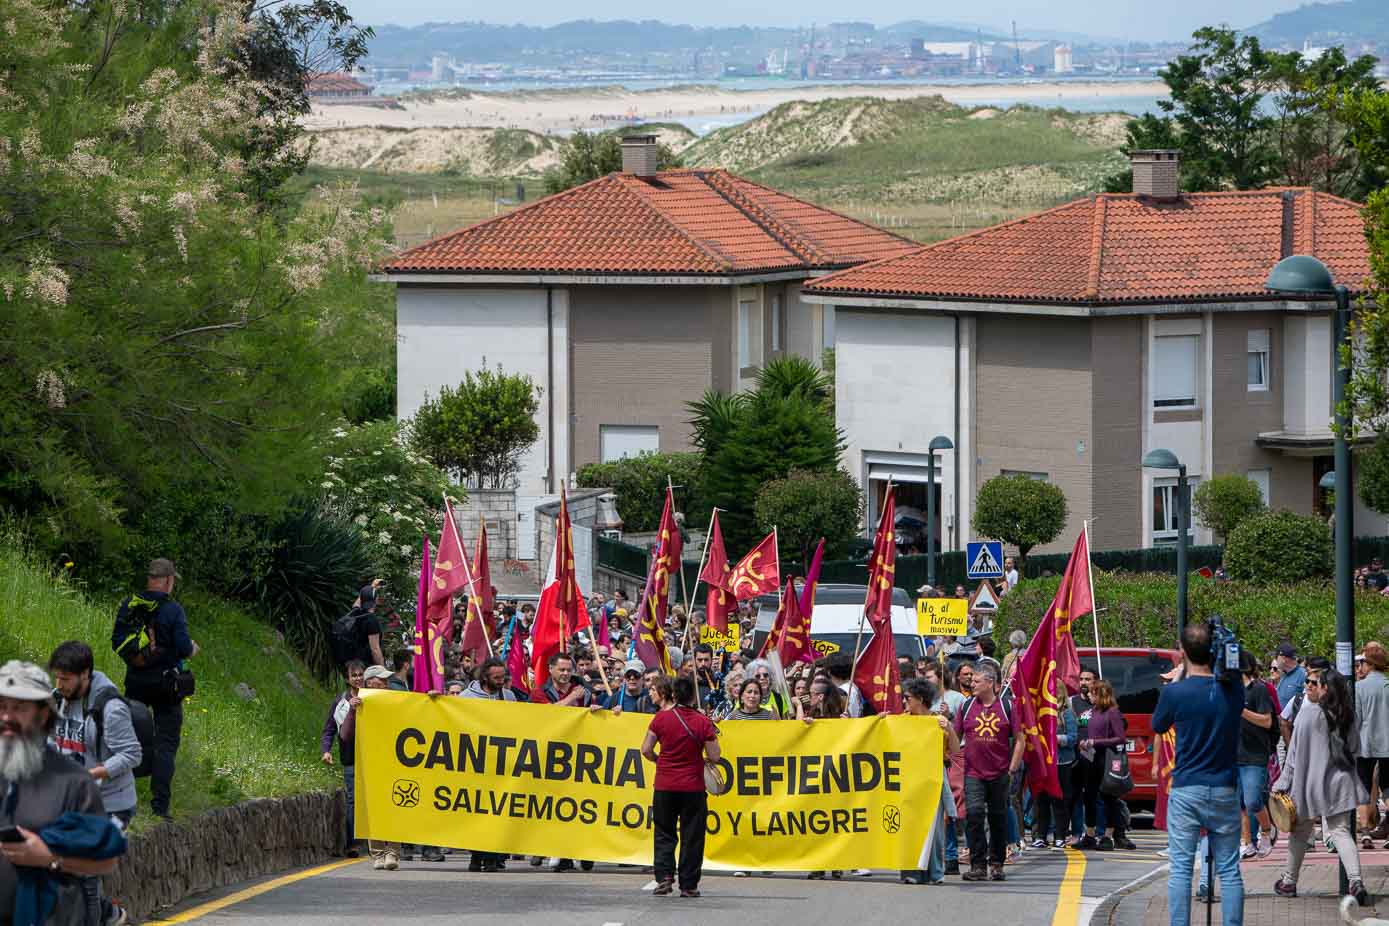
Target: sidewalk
1315 904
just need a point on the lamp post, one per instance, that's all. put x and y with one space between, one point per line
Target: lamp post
1166 459
1304 275
939 442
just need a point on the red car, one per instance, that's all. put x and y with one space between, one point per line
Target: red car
1136 674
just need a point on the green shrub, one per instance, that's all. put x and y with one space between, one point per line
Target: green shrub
1279 546
1222 503
1141 610
1020 511
480 429
640 485
807 506
1372 474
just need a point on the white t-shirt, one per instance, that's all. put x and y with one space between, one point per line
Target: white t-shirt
1011 577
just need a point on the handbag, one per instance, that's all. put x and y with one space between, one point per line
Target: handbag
715 781
1117 781
1283 811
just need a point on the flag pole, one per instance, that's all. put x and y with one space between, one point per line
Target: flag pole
472 579
685 592
863 615
1094 615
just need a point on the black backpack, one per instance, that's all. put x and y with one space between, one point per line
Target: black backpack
140 718
343 636
133 639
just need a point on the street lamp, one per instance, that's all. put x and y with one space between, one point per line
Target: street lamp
1166 459
1304 275
939 442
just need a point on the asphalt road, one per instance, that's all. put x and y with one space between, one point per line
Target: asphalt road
1038 892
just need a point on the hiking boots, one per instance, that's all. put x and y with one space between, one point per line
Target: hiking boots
976 873
996 873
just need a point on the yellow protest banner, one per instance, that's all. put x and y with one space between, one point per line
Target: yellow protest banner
557 781
726 640
824 647
942 617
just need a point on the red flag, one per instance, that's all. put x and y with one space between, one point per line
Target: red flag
812 578
475 639
876 674
877 606
1073 599
425 641
655 597
1048 667
515 649
546 637
757 573
720 603
1165 761
482 581
452 571
560 612
793 644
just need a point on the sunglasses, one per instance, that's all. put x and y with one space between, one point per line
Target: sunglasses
1314 681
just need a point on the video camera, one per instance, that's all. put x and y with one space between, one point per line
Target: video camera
1225 649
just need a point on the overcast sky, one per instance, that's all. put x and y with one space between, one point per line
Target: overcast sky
1135 19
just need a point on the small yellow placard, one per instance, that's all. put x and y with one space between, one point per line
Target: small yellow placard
942 617
824 647
727 640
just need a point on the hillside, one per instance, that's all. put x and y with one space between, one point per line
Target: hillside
233 748
471 152
1353 21
919 150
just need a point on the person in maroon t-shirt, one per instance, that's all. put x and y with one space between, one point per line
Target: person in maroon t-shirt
687 739
993 747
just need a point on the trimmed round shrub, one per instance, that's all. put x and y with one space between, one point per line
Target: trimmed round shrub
1278 547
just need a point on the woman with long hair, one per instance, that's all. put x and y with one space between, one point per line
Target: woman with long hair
679 804
1107 730
1320 777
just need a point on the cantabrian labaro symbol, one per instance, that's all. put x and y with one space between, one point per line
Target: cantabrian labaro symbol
892 818
746 579
442 568
405 793
986 724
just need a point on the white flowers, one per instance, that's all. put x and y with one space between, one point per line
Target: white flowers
46 281
360 520
50 389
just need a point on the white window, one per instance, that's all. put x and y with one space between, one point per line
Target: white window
1165 516
776 323
744 335
1258 360
1262 478
1176 370
1040 477
616 441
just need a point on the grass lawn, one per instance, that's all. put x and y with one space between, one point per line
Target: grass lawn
232 749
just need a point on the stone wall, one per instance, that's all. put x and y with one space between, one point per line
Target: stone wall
172 861
583 512
498 508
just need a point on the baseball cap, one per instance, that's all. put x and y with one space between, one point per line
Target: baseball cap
376 672
24 681
634 665
1286 651
162 568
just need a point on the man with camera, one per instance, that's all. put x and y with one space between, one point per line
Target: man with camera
1205 707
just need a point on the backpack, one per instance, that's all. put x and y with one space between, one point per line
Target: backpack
1005 699
140 718
133 638
342 637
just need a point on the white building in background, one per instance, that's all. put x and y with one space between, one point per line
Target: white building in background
1062 55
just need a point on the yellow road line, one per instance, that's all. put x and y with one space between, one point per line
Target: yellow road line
1068 897
212 906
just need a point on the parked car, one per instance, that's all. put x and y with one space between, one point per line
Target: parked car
834 624
1136 674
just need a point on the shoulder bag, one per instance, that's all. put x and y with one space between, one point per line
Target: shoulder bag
1117 781
715 781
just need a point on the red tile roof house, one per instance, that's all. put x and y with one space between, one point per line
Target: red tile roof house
1067 344
623 299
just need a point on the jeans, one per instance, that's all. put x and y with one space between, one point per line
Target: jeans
168 733
986 820
952 842
1189 810
99 908
688 809
1253 794
349 783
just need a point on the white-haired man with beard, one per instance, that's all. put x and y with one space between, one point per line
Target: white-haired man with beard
37 787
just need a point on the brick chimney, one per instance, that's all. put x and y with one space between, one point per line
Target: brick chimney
639 155
1156 173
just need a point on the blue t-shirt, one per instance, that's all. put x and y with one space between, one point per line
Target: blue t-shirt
1206 713
1291 685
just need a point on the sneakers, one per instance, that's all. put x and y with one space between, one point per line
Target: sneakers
1264 846
740 874
117 916
1124 842
863 872
1246 851
391 860
378 863
1039 843
996 873
693 892
1059 844
1105 845
976 873
664 888
1285 887
815 876
1357 890
912 879
586 866
1087 842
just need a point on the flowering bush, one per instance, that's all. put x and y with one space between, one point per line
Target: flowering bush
389 494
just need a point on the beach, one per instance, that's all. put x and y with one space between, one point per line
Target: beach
703 108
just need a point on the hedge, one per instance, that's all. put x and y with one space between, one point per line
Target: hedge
1141 610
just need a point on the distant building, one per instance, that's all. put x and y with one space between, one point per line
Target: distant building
439 69
336 85
1062 57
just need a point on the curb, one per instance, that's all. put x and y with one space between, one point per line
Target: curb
1104 913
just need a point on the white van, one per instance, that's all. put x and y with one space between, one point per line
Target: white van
834 625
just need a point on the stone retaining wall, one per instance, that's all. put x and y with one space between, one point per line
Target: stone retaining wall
169 863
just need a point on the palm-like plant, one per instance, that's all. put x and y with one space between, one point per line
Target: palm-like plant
713 418
789 376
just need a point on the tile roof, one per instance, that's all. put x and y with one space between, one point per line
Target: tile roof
685 222
1122 248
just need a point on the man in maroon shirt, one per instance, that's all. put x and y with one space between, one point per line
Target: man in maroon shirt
993 748
686 738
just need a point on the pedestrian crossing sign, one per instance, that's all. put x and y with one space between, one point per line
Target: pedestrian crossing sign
984 559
